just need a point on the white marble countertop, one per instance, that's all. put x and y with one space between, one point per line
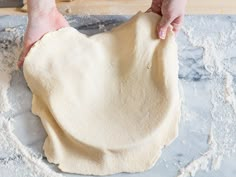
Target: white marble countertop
206 143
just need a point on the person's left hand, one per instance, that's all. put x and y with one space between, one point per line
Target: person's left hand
172 12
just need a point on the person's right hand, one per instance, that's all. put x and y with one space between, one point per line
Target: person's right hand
38 25
172 12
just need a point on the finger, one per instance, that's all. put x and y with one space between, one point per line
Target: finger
22 57
163 26
177 23
21 60
176 28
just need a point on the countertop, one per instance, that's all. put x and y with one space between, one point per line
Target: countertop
206 143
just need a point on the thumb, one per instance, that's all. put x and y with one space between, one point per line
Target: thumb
163 26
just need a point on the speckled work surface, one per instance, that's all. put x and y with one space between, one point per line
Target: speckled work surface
206 143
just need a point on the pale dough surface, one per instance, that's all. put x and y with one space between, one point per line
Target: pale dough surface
109 103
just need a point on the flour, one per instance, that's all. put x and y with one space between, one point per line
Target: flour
229 91
222 141
202 163
21 159
8 57
4 85
15 158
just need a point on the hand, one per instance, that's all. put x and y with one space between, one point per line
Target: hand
38 25
172 12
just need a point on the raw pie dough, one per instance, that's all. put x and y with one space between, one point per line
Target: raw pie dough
109 103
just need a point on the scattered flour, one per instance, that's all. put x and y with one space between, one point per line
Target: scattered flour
102 27
33 166
4 85
15 158
203 162
222 140
229 91
8 57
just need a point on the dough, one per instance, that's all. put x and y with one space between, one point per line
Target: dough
109 103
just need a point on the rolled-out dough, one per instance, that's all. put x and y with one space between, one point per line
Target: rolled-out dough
109 103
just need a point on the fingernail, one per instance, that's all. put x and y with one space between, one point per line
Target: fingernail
161 34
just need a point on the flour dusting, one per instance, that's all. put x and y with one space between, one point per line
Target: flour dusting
18 157
201 163
15 158
222 140
9 53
